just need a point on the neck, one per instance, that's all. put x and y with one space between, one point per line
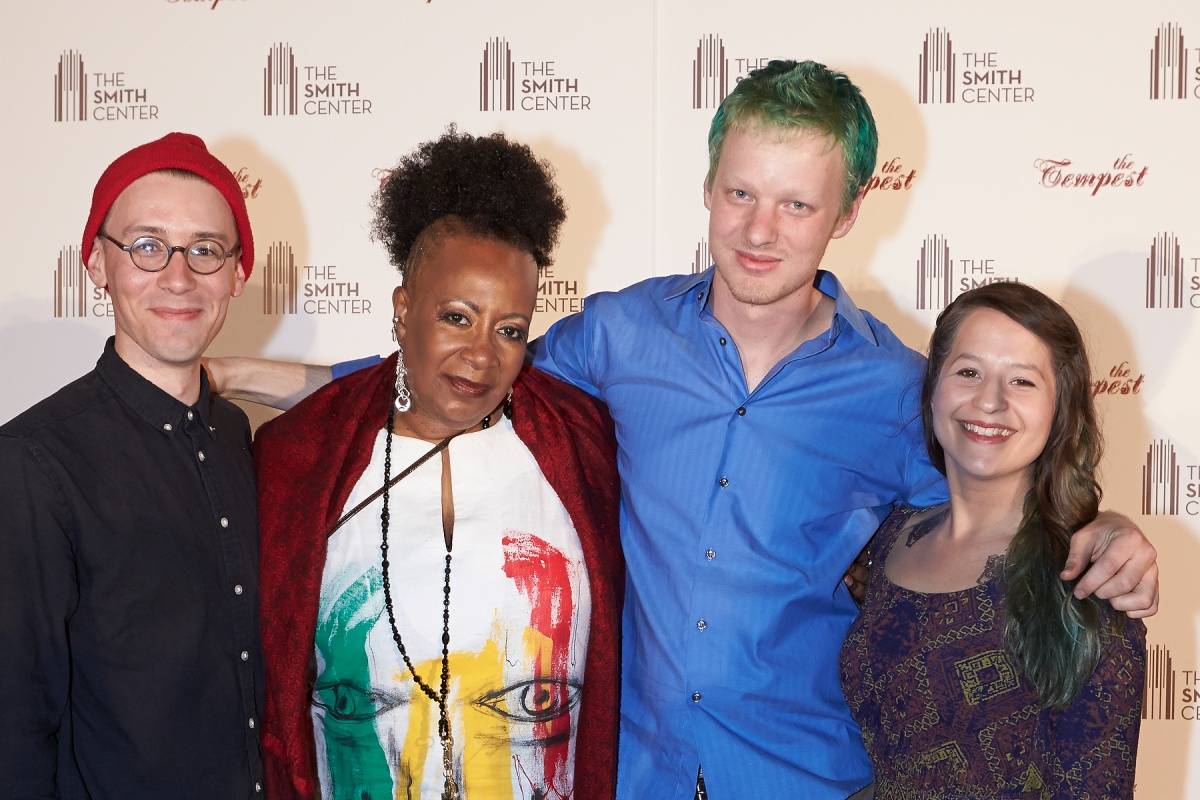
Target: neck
766 333
419 425
181 381
985 509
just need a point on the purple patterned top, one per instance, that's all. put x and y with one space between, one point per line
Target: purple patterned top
947 715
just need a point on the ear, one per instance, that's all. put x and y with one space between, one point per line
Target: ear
708 192
239 279
96 268
400 306
846 222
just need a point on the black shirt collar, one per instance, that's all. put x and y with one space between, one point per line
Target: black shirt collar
149 402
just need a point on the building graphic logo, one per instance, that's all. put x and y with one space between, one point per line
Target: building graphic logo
281 82
710 72
935 274
1168 64
70 284
701 259
70 88
497 77
1158 692
1160 479
281 280
935 67
1164 273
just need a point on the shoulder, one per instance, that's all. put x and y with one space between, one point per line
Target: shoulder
647 293
570 402
72 407
325 407
229 415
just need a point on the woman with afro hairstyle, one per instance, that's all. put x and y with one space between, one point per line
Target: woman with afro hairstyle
441 574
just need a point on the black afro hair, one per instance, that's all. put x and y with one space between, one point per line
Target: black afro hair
492 186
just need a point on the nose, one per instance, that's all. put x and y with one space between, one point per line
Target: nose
990 397
480 351
762 227
177 277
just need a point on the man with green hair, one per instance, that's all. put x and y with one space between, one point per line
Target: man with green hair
765 426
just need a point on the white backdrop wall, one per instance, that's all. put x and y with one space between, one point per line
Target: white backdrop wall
1051 143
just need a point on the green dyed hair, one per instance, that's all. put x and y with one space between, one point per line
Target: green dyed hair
1056 638
808 96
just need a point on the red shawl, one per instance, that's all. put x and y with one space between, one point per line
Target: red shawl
309 460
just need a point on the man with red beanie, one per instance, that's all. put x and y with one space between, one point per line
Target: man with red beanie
129 656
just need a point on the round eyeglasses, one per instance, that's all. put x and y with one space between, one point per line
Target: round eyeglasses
151 254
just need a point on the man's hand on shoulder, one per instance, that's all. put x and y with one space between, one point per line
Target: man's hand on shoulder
1117 564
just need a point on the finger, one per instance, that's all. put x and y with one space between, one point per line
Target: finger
1123 556
1143 600
1079 551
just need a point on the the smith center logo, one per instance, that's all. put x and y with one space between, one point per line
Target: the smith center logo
82 93
1174 67
508 82
75 296
1169 692
1169 486
1172 279
949 75
313 90
715 72
940 277
314 289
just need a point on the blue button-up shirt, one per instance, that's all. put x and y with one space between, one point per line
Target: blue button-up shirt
741 510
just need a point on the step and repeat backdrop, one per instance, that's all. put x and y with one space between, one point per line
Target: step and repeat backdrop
1051 143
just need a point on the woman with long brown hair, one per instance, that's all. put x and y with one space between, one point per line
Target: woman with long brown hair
973 670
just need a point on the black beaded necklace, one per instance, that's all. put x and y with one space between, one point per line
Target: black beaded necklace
450 787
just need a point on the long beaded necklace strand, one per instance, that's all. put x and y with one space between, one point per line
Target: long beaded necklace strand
450 787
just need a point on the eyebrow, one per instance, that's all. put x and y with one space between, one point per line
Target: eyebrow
160 232
1030 367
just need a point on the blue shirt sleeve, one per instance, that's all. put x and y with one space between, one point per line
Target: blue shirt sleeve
565 351
344 368
924 485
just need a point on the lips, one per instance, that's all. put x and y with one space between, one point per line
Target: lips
756 263
467 387
985 433
176 314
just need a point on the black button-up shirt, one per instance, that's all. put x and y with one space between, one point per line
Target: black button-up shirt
129 657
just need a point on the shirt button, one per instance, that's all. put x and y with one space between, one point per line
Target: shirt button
190 416
200 455
257 786
696 697
245 655
252 722
701 624
741 411
168 426
224 522
723 341
710 554
238 589
723 482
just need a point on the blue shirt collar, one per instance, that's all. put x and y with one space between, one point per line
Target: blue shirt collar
826 282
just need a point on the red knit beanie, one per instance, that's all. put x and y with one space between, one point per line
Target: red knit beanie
183 151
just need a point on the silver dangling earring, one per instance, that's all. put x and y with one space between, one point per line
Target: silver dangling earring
395 338
403 395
